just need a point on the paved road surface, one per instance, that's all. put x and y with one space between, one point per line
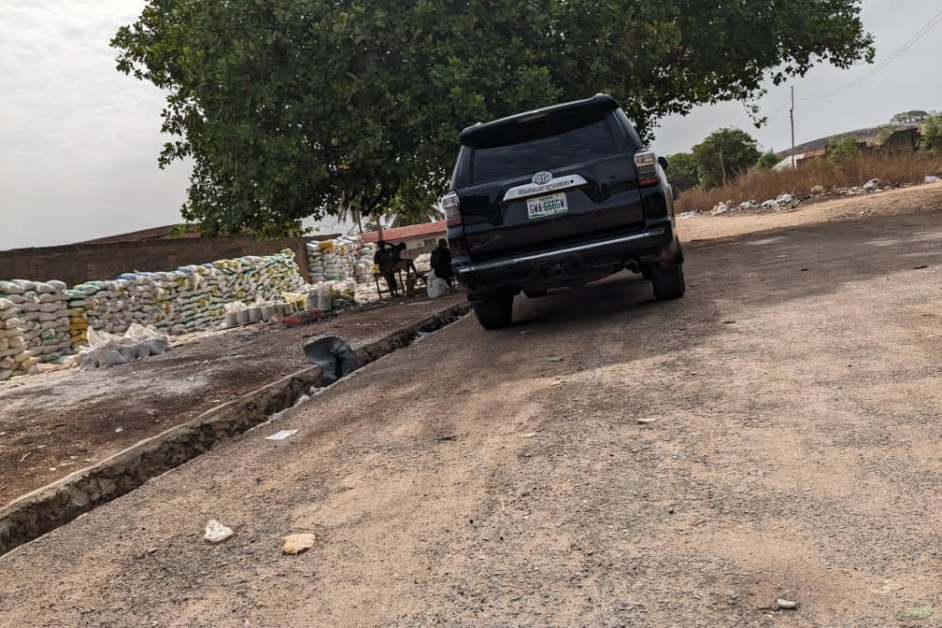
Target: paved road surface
474 480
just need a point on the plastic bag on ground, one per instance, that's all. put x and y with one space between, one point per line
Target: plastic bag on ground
334 356
435 287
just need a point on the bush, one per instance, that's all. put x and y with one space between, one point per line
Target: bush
724 155
932 135
682 171
843 150
767 161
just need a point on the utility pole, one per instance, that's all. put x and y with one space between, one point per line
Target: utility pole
792 116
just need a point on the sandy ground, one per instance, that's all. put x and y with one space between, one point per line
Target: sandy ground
55 423
790 448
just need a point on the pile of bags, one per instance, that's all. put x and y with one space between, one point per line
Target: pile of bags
14 356
105 304
106 349
332 295
188 299
333 260
42 319
365 265
315 262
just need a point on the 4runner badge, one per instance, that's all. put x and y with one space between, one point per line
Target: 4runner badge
542 178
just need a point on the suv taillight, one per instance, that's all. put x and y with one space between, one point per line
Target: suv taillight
646 165
450 207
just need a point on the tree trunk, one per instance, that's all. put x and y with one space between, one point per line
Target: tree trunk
722 166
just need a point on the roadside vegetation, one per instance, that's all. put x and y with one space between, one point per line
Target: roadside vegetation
760 185
727 166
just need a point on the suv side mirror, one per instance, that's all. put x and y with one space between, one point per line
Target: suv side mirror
663 162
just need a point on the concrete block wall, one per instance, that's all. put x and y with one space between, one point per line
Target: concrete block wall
78 263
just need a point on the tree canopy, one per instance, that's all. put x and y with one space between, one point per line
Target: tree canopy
768 160
843 149
682 171
724 155
293 108
932 135
915 115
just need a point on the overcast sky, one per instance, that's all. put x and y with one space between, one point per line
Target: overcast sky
79 141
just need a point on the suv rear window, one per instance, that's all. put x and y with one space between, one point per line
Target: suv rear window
544 146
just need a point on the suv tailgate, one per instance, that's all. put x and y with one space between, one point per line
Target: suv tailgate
593 189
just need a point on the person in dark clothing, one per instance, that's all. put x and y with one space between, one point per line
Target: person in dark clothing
400 262
441 263
383 259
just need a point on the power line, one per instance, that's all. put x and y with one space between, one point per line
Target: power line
932 23
778 111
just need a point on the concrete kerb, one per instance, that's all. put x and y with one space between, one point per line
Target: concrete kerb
56 504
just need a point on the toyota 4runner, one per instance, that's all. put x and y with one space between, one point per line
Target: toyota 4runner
558 197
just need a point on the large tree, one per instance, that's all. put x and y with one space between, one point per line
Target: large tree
724 155
291 108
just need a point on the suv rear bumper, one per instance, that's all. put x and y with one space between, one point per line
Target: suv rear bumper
571 264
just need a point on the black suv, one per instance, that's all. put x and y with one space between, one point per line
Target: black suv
558 197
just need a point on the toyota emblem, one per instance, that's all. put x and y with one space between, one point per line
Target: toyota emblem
542 178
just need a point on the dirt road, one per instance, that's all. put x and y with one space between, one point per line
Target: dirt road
790 449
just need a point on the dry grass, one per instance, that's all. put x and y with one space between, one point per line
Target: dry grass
761 185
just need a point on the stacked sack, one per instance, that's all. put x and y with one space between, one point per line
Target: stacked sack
330 260
198 295
14 357
144 303
347 256
315 262
54 320
86 308
105 304
365 265
42 319
78 322
423 263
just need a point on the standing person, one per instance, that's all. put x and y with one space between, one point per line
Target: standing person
383 259
441 263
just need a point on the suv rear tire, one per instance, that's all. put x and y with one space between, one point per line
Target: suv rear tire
535 294
668 282
494 310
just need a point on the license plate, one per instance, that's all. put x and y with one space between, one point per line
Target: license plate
543 206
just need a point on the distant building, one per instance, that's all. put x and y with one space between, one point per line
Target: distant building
421 238
786 164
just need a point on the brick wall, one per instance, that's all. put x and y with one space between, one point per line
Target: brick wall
78 263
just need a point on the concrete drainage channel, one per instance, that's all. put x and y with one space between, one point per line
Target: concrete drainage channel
47 508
